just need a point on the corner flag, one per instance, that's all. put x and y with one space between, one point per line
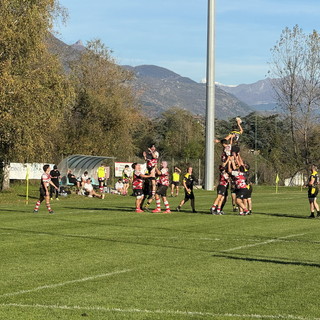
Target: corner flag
277 182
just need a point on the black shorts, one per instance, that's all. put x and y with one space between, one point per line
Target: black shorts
147 191
137 192
235 149
242 193
42 192
175 183
313 192
162 190
150 168
222 190
189 195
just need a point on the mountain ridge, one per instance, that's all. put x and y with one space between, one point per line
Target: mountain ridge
158 89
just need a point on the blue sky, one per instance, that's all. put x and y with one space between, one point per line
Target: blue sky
172 33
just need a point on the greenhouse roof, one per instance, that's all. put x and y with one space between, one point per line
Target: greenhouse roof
84 162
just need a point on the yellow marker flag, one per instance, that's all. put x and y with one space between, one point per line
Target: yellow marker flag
277 182
27 180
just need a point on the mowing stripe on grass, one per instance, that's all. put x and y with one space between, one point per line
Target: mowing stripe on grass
50 286
176 312
262 243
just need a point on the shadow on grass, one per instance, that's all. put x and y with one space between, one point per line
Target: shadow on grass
282 215
30 197
18 211
269 260
99 209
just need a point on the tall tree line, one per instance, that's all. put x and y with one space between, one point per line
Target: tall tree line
47 112
295 69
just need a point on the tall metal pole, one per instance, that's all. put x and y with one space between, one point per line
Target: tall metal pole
255 150
210 106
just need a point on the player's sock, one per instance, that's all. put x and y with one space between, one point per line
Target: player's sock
48 207
166 203
158 204
37 205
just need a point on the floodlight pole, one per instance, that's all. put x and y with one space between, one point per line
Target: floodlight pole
210 102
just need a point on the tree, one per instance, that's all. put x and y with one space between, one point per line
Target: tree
295 69
181 134
105 116
34 90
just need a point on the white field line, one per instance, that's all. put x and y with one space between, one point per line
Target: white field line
56 285
171 238
262 243
176 312
148 236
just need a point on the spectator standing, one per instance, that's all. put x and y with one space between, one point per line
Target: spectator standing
101 173
55 178
126 178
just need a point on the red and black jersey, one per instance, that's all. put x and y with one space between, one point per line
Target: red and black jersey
224 179
45 180
164 177
152 161
239 179
137 182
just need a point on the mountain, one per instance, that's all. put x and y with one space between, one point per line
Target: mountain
66 53
158 89
259 95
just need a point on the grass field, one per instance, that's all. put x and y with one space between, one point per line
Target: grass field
98 259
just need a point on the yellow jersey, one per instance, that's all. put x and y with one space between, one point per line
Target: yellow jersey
176 177
101 172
